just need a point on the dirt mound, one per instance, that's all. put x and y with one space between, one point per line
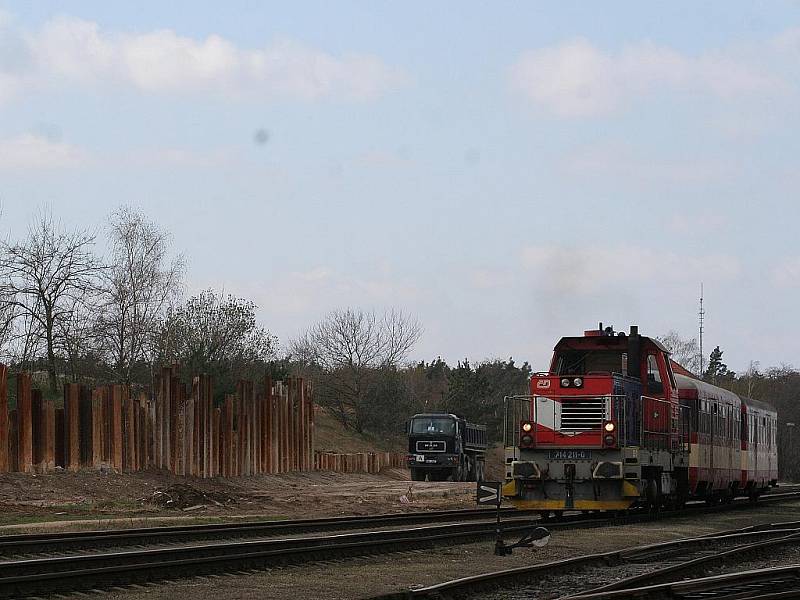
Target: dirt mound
180 496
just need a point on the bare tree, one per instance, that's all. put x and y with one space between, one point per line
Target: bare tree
216 334
7 334
139 284
43 277
77 339
352 347
685 351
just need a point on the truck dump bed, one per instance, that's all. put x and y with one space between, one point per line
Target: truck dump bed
475 437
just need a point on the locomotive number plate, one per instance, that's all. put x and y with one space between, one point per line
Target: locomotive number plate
569 454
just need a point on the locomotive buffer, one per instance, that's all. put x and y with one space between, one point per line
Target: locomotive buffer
488 493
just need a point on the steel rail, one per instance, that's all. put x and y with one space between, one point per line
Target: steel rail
672 572
76 540
463 586
774 583
64 542
87 571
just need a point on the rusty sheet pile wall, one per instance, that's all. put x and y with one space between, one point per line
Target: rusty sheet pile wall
362 462
267 428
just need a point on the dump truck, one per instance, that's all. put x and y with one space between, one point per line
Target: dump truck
445 447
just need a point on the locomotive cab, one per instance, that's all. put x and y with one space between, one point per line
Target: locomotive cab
599 430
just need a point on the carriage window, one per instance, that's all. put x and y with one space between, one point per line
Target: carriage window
654 384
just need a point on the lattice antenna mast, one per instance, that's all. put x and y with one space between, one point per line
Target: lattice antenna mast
701 316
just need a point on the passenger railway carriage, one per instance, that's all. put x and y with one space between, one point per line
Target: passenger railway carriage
611 426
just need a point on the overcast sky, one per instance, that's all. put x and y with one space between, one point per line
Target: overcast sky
510 173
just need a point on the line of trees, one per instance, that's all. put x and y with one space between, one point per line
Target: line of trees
73 315
356 360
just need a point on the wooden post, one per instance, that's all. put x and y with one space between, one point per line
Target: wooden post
269 436
164 412
129 432
293 424
72 449
255 423
190 458
115 429
175 426
206 417
309 421
97 427
241 436
5 441
226 439
24 423
215 430
85 426
286 424
153 432
298 428
60 446
49 432
179 429
143 432
13 436
37 426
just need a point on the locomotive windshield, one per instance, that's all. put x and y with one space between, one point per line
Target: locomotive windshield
443 425
581 362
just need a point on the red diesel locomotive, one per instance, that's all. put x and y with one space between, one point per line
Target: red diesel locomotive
612 426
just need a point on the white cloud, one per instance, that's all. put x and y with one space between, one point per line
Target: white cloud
319 289
71 50
787 273
35 152
594 268
693 224
382 158
489 279
577 79
178 157
624 162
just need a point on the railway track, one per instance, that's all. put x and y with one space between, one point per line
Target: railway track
779 583
64 542
54 544
64 573
100 569
648 571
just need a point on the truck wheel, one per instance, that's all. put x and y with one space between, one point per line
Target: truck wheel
417 475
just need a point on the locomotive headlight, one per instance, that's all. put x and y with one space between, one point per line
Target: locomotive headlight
526 441
578 382
609 440
526 426
565 382
609 427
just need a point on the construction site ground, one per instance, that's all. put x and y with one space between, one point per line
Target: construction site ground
91 499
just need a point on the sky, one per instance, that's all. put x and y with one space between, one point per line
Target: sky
509 173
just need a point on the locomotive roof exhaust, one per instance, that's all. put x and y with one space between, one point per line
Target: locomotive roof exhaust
634 351
600 331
